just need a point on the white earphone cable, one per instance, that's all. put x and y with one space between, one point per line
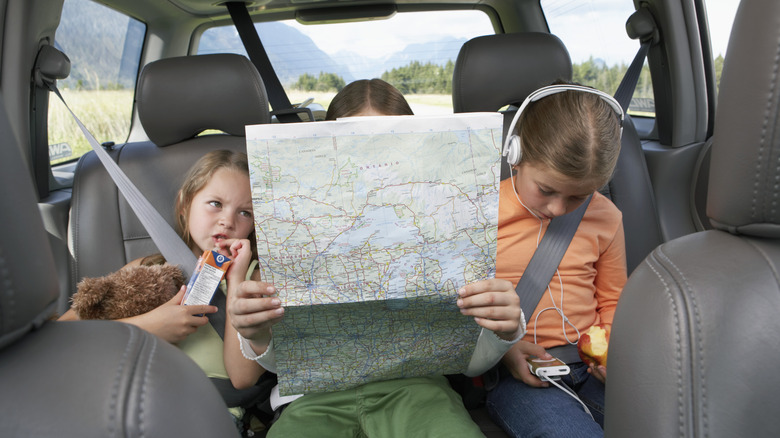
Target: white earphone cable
570 392
564 319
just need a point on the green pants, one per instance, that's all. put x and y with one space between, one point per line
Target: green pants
413 407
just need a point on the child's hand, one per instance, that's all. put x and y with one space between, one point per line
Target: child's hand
240 252
494 304
599 372
514 360
172 321
253 311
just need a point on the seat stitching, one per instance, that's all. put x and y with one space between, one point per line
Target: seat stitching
114 396
762 141
699 347
678 353
8 286
144 385
772 88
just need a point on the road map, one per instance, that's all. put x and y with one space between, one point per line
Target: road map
367 227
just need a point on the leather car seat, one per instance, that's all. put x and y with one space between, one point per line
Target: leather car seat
83 378
176 99
695 344
495 71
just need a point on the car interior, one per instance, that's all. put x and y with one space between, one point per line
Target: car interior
692 347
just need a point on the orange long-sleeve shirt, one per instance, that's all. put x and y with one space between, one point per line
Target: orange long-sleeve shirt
593 269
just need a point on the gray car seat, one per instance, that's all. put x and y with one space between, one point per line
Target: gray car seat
494 71
695 344
84 378
176 99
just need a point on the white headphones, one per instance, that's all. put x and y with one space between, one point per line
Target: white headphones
513 150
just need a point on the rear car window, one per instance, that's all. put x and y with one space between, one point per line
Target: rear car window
104 47
415 52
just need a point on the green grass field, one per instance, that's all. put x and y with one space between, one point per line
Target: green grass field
106 113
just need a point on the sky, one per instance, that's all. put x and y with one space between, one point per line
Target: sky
587 27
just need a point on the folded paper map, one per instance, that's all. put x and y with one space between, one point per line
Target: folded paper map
367 227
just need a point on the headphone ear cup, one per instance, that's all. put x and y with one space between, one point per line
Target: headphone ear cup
514 151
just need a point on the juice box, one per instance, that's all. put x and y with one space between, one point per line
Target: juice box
209 272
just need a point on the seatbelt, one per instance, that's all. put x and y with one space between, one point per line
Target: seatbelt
547 257
640 25
627 86
283 109
544 262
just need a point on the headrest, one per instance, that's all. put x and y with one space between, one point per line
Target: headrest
29 289
497 70
177 98
743 189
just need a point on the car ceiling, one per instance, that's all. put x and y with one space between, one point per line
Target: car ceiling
327 10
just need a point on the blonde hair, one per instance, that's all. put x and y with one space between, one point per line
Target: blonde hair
363 94
198 177
574 133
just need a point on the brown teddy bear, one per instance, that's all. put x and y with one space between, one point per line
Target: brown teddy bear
127 292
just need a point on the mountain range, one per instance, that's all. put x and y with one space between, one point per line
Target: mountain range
293 53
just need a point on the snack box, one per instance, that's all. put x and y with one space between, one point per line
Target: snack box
209 272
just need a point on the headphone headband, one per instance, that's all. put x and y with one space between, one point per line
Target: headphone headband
512 148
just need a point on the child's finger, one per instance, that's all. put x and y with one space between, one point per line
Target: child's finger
179 296
255 305
496 313
199 309
482 286
254 289
497 326
489 302
256 319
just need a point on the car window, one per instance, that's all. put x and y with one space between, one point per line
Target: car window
601 51
104 47
720 15
415 52
594 33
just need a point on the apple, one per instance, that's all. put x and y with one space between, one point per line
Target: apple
593 344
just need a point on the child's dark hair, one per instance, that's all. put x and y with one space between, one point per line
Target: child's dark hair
363 94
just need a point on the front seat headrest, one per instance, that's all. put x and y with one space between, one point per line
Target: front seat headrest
493 71
177 98
743 186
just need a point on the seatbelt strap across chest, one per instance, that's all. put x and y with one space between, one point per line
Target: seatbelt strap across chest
547 257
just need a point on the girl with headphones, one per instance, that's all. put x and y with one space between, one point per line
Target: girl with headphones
564 149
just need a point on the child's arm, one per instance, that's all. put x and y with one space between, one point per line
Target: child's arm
495 306
243 373
252 310
610 279
170 321
610 276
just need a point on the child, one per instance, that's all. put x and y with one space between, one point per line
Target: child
213 211
417 406
368 97
570 144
